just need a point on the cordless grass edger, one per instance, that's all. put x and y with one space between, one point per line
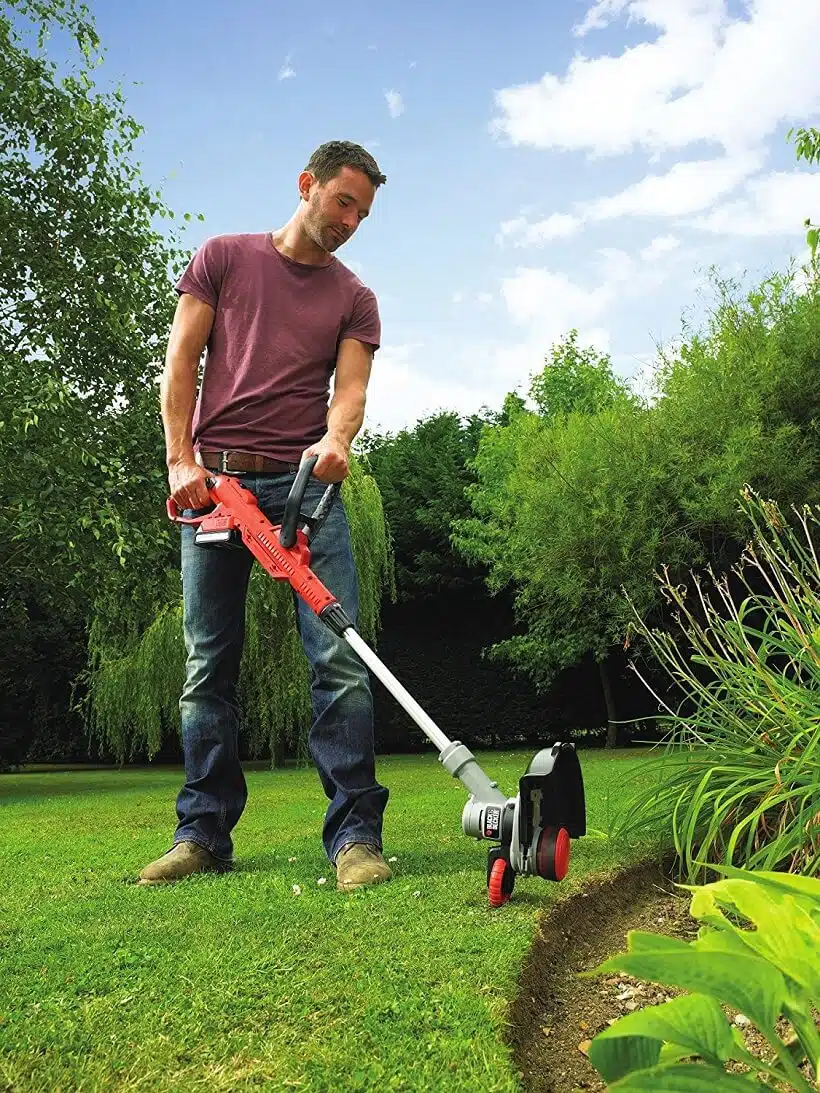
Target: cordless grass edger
532 829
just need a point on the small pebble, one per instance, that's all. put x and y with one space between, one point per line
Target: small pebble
742 1021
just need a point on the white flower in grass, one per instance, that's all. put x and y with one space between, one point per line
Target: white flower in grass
291 859
322 880
392 859
297 891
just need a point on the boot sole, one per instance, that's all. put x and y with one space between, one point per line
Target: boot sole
152 882
351 886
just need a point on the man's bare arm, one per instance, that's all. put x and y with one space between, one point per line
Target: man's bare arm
346 411
189 335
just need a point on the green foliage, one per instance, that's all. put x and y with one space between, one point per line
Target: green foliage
756 952
739 404
86 301
806 143
422 474
576 380
741 780
598 493
136 677
807 147
567 508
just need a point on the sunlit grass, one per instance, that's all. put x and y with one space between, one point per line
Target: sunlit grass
235 982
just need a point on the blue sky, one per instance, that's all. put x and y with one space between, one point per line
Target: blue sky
550 165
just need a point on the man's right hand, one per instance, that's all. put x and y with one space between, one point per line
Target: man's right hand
186 480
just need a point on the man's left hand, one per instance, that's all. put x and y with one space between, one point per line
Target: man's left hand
332 464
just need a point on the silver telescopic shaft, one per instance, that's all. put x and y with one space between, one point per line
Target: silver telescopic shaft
405 700
455 757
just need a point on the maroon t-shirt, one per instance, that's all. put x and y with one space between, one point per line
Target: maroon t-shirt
272 349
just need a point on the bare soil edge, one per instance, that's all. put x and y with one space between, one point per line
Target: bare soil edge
555 1014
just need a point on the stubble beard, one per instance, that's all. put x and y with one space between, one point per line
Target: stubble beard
320 233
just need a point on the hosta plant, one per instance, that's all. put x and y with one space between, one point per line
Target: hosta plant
757 951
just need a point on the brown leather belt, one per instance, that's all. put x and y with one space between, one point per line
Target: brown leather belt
227 462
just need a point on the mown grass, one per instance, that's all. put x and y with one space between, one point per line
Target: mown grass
237 983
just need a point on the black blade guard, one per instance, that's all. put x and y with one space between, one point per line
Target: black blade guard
552 794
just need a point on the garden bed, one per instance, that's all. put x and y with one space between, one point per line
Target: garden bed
556 1013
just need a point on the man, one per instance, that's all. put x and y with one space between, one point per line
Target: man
279 314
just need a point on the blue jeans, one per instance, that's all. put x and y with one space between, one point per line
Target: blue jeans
215 584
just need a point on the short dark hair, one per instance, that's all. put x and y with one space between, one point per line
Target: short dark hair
329 159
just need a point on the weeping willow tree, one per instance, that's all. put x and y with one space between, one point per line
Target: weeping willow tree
133 691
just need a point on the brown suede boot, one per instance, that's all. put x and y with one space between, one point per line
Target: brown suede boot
185 859
360 864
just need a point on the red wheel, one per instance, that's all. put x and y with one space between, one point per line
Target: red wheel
552 855
502 879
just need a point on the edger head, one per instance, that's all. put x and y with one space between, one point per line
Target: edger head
535 827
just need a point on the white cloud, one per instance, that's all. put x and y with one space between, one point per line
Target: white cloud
286 72
706 76
685 188
615 266
395 103
549 304
408 383
526 234
660 245
775 204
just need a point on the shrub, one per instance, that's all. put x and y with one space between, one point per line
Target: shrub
767 972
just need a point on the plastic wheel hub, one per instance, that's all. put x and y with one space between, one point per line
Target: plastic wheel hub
552 855
502 879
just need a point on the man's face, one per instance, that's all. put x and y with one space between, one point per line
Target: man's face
335 209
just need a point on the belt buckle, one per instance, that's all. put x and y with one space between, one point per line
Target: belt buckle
223 462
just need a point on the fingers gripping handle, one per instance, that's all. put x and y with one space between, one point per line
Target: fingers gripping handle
293 505
172 508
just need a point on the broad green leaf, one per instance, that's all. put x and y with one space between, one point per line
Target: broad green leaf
643 941
723 941
745 982
613 1057
695 1022
786 934
685 1078
805 889
672 1053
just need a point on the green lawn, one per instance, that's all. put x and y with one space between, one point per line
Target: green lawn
237 983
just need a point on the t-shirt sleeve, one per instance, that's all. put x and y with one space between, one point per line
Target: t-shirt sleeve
365 323
203 277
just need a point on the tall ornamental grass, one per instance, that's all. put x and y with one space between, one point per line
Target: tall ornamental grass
740 780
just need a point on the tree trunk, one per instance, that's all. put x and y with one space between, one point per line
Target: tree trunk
280 750
606 684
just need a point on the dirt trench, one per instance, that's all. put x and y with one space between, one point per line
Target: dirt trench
555 1014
